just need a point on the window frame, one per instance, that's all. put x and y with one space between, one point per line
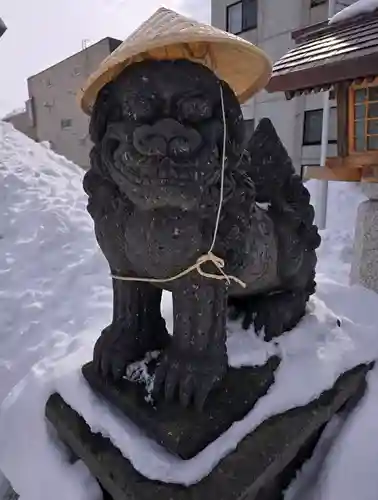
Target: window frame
319 142
351 117
244 28
66 123
316 3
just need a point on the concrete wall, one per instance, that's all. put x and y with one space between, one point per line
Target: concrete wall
53 106
276 21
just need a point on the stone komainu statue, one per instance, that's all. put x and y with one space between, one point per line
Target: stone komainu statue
162 131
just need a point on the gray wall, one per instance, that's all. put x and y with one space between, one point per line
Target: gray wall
276 21
53 107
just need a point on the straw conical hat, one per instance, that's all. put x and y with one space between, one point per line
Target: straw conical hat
169 35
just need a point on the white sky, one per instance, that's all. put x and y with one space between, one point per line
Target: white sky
43 32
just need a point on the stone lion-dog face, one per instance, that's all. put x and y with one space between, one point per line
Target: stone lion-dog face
164 133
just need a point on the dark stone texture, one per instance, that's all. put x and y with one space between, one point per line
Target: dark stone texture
185 432
154 193
3 27
10 494
259 469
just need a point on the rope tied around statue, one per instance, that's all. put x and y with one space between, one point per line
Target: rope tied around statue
218 262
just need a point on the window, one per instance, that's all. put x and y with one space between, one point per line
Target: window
242 16
363 109
312 131
66 123
48 105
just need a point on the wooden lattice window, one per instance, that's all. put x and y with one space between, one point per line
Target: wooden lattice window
363 118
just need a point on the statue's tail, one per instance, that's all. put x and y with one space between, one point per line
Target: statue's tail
281 189
277 184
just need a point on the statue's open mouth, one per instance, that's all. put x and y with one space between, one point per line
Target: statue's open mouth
166 172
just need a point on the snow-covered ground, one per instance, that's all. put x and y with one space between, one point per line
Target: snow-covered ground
55 298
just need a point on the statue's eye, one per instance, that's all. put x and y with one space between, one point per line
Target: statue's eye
194 109
140 108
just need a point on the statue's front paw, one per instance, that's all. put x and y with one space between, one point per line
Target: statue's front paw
120 345
114 350
191 376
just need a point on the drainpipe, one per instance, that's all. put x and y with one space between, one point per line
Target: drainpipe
3 27
322 194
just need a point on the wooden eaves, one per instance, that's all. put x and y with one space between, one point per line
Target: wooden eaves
331 56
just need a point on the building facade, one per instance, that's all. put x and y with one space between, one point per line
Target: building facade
52 106
269 24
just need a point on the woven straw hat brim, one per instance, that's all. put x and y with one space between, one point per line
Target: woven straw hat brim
242 65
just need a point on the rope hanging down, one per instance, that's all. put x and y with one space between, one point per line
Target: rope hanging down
209 256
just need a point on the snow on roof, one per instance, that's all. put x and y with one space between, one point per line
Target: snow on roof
15 112
360 7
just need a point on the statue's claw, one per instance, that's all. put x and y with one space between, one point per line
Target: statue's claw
190 377
118 346
272 314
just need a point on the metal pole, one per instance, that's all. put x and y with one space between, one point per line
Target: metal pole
322 192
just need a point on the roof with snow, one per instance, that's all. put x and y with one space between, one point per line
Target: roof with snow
327 54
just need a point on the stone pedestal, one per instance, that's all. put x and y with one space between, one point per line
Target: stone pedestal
260 468
365 256
185 432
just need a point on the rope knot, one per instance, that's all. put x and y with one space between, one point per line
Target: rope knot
219 264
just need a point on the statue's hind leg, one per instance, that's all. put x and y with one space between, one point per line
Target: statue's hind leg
272 314
276 313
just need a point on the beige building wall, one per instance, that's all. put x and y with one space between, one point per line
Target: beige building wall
53 108
276 19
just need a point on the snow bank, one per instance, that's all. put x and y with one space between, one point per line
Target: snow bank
48 259
55 299
336 251
357 8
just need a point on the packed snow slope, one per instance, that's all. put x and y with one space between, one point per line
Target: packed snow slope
48 257
55 298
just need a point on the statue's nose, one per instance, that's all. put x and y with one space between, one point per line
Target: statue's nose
148 142
170 128
167 137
